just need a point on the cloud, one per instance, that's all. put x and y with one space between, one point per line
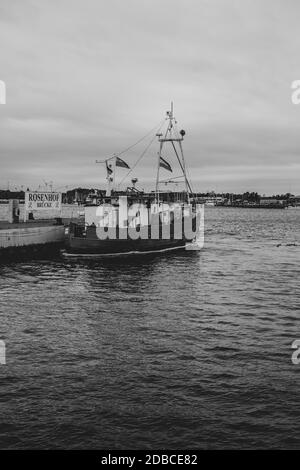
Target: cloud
87 79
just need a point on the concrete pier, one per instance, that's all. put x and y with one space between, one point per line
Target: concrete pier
41 235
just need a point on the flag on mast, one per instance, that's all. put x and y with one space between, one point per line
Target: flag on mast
164 164
120 162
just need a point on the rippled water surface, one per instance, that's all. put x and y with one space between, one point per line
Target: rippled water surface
179 350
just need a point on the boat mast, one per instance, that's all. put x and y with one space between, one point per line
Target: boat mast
110 164
168 137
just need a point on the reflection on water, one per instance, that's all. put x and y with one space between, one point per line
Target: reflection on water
176 350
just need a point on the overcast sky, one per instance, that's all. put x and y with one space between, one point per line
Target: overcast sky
87 78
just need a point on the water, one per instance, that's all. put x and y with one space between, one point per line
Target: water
181 350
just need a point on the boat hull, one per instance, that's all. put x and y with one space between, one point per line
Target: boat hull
164 234
78 245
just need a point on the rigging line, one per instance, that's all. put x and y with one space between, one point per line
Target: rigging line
133 145
141 156
181 165
191 185
186 166
138 160
173 178
190 179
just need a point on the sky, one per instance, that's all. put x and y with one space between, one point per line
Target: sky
87 78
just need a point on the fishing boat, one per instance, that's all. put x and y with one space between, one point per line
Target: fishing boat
132 221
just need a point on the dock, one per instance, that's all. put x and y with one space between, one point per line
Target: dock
34 226
18 239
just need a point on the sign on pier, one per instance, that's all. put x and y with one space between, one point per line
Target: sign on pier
42 201
35 201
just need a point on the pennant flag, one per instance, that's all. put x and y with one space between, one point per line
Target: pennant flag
120 162
108 168
164 164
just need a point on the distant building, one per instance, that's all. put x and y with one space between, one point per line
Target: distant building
7 194
272 201
294 201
